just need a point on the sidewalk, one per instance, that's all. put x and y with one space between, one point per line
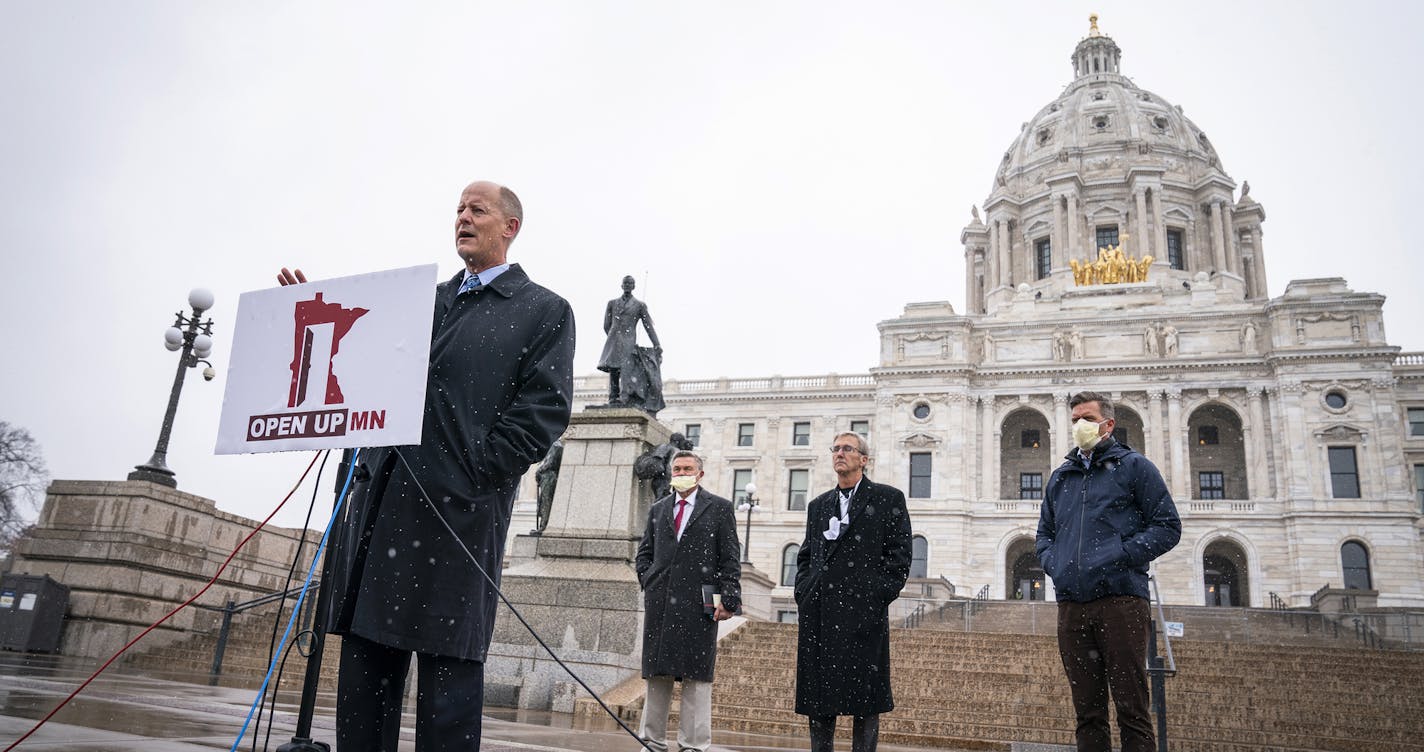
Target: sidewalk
128 713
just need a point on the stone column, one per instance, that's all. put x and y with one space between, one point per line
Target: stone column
1060 257
1141 246
1256 468
1228 232
1159 236
1218 239
1259 260
1060 425
991 257
989 480
1178 443
1074 233
954 483
1006 257
1194 262
1152 428
971 297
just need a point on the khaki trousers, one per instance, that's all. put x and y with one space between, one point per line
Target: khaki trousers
694 726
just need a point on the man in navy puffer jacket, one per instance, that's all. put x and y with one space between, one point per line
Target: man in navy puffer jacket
1106 514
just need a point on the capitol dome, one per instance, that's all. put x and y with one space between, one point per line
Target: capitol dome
1110 164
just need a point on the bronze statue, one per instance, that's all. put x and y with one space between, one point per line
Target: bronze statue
653 464
627 364
547 477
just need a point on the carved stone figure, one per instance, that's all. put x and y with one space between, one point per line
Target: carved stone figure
1248 337
1075 345
547 477
1169 341
988 348
653 464
1149 341
1060 345
974 210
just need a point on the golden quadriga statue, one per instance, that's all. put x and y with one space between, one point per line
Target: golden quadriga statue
1111 267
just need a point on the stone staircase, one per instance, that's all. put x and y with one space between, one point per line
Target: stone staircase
986 691
244 659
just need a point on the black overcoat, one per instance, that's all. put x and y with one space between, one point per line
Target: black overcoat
679 638
498 394
843 592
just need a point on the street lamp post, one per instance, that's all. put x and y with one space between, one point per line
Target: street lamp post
748 505
196 342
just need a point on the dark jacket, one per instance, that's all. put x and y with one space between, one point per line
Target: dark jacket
843 591
497 396
1098 528
679 637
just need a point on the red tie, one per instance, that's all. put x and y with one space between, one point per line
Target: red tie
677 519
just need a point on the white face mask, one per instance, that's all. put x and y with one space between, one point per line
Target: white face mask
1085 434
683 482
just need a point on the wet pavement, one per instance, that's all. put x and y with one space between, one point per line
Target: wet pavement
125 712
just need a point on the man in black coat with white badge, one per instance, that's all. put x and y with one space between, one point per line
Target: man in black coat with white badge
689 544
852 565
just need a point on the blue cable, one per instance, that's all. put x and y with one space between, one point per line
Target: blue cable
311 572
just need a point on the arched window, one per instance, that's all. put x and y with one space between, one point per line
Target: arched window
788 564
1225 574
919 557
1216 451
1025 575
1355 561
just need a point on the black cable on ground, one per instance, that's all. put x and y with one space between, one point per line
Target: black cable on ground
511 607
168 615
281 604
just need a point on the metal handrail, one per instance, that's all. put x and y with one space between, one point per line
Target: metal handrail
979 599
1277 603
1155 668
236 608
947 584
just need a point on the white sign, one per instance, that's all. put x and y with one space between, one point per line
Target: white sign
27 601
330 364
1175 628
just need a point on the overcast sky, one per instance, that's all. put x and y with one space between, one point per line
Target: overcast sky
778 176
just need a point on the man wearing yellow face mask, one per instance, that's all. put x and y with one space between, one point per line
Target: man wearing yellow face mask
1106 515
689 546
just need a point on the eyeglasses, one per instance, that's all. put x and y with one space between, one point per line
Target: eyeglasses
845 449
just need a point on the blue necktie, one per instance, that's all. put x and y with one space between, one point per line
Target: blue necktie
471 282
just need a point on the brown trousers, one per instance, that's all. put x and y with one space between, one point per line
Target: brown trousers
1103 644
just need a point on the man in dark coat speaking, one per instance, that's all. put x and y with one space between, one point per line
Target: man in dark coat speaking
497 396
689 544
852 564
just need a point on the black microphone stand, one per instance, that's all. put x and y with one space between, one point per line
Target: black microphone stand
301 739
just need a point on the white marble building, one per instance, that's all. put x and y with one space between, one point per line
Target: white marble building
1289 430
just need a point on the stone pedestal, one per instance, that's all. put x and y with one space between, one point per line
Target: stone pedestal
578 589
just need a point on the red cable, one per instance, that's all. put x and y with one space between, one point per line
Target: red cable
180 607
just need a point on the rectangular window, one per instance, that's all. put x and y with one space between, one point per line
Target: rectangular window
693 432
800 434
1174 250
786 617
1107 236
1207 435
745 433
1029 439
797 485
861 427
1416 421
1344 473
1043 253
1030 485
919 475
1419 486
740 479
1212 485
